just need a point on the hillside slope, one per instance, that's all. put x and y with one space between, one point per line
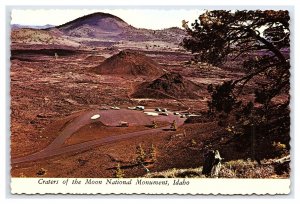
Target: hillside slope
169 85
129 62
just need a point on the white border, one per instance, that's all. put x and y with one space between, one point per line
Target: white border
189 186
292 198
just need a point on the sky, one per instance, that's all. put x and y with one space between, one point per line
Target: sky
140 18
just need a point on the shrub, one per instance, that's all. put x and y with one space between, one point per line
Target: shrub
153 153
140 154
119 172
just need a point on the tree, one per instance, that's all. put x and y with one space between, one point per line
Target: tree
119 172
140 154
257 42
154 124
212 164
153 153
173 125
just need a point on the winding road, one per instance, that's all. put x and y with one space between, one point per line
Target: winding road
108 117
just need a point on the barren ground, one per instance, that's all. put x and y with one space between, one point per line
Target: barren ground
48 94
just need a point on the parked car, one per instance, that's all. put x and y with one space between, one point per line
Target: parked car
94 117
157 109
140 108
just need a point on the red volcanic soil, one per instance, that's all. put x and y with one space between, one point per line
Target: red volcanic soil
51 127
96 137
183 148
170 85
129 62
97 130
95 58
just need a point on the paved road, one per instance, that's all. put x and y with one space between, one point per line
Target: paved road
57 148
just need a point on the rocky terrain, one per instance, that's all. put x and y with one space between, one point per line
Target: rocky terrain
128 62
169 85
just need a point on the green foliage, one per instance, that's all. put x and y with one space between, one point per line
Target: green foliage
258 43
222 97
256 38
218 33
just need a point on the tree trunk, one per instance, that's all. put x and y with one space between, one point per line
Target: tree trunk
212 164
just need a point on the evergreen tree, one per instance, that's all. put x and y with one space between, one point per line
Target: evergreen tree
153 153
140 154
154 124
119 172
257 43
174 125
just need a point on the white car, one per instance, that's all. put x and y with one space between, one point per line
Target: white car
115 108
94 117
140 108
164 113
157 109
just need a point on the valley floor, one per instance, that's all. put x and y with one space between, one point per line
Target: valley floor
49 94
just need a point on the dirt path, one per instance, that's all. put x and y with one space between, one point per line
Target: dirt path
57 148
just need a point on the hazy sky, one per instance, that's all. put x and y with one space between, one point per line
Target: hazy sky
140 18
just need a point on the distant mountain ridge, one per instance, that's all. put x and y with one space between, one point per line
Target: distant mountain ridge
96 29
18 26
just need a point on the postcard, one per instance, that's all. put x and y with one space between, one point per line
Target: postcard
150 101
